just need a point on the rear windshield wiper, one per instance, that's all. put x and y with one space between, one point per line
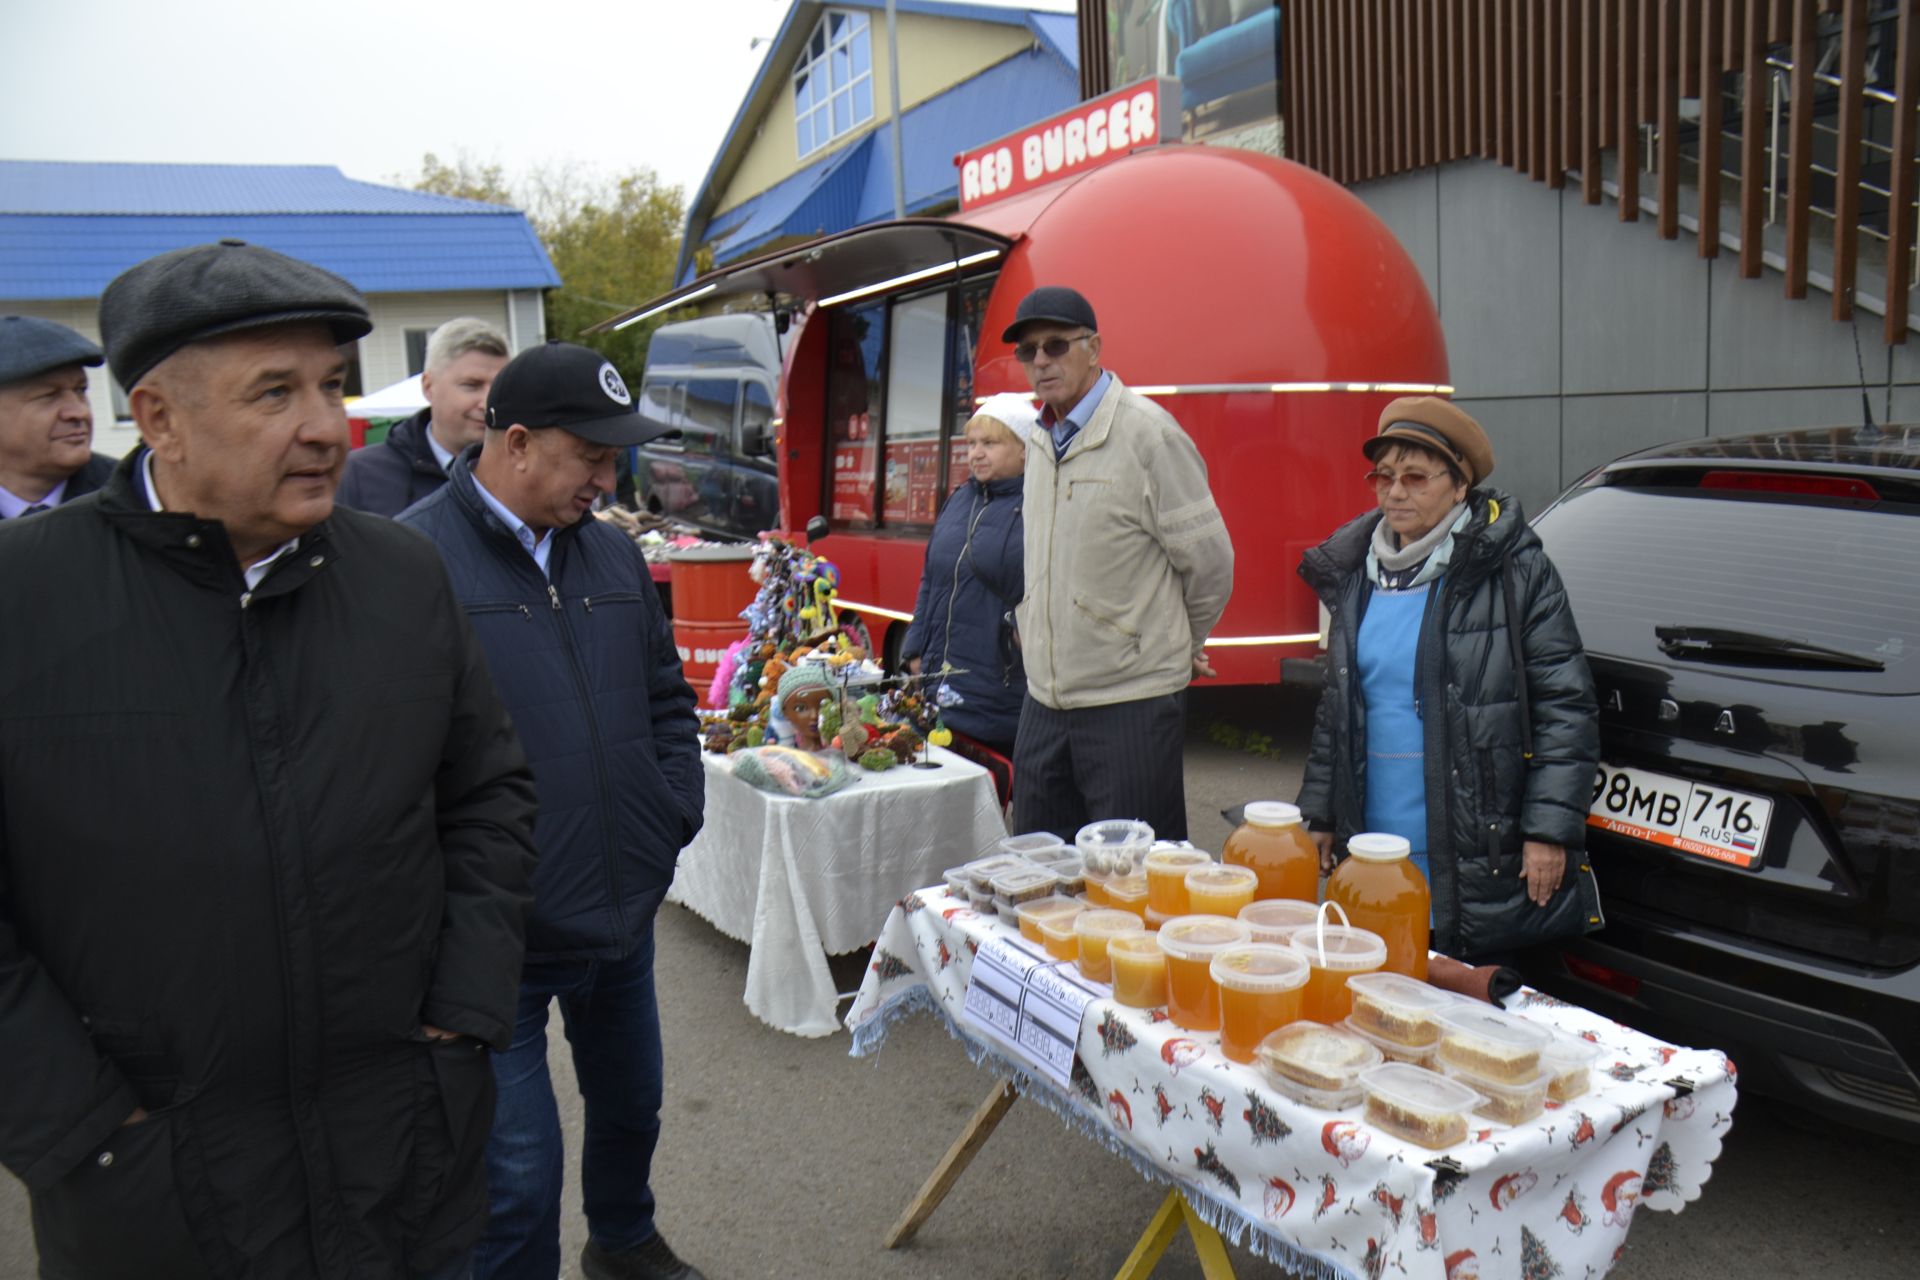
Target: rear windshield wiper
1718 644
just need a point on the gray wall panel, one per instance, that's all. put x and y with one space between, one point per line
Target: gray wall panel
1758 338
1738 412
1636 305
1526 445
1408 204
1597 429
1500 274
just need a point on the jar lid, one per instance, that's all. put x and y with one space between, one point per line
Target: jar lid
1275 919
1201 937
1272 813
1114 831
1259 967
1339 947
1031 844
1227 879
1378 846
1101 922
1174 859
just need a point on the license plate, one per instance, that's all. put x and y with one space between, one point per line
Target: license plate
1703 819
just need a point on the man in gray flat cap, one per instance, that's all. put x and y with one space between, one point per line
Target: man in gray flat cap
265 828
46 423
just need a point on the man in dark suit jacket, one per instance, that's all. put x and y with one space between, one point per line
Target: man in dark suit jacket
46 423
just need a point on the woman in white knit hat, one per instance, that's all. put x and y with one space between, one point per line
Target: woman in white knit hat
974 577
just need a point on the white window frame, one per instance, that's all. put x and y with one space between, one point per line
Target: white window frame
814 121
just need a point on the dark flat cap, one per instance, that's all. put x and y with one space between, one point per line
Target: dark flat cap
156 307
1053 304
30 346
1442 427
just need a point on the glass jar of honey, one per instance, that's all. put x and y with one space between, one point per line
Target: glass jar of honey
1191 943
1381 890
1274 843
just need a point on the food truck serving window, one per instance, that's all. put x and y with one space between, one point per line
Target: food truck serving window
899 393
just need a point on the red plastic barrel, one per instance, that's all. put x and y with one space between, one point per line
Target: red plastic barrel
701 645
711 584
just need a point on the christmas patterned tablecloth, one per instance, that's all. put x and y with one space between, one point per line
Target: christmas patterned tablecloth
1324 1192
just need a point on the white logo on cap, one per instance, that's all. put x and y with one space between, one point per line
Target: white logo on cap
614 385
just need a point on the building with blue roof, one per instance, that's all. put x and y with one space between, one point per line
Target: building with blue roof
809 150
66 229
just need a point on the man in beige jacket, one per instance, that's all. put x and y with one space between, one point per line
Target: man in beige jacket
1128 568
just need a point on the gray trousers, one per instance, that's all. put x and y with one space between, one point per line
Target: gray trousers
1122 760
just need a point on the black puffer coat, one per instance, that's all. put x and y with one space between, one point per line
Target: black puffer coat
1484 799
972 579
389 477
250 841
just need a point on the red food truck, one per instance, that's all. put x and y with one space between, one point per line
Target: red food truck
1264 306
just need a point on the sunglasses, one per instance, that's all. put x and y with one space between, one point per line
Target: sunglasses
1054 347
1414 482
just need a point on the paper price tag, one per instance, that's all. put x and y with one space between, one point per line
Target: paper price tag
1031 1007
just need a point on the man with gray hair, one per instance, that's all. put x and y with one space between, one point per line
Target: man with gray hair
463 356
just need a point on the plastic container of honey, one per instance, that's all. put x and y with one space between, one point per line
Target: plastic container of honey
1571 1060
1113 846
1012 889
1126 893
1139 969
1274 919
1033 913
1274 843
1190 944
1420 1055
1260 992
1218 890
1484 1042
1421 1106
1398 1009
1504 1103
1034 846
1382 891
1057 936
981 871
1336 953
1095 929
1317 1065
1167 879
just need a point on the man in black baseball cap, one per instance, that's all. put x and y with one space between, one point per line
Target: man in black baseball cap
46 420
268 833
573 630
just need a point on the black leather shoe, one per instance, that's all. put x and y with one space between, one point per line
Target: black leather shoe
654 1260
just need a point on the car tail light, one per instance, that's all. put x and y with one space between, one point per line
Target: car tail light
1601 976
1791 482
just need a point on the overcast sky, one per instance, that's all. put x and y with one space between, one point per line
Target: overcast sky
372 85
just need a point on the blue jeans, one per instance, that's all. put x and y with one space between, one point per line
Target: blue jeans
613 1026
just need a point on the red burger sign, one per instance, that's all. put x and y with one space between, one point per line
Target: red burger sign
1092 134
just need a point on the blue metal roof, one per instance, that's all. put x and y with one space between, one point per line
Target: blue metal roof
1055 32
854 185
68 229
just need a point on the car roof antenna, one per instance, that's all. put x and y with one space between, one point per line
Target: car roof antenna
1868 432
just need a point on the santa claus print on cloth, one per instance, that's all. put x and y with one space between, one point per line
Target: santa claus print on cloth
1618 1198
1345 1141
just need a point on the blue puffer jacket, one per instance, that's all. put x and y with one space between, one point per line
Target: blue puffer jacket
588 669
389 477
973 578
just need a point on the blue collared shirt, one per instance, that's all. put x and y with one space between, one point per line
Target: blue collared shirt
539 548
13 506
440 455
1065 429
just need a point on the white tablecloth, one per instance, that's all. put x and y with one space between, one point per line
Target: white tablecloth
1323 1192
800 880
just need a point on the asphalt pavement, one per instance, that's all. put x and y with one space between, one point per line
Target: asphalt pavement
783 1157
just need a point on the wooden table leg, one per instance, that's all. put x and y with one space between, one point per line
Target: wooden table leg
1154 1241
953 1164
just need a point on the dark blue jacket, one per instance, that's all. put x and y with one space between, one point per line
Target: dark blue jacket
389 477
92 474
589 672
973 578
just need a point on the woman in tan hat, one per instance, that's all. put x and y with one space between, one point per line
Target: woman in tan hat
1458 710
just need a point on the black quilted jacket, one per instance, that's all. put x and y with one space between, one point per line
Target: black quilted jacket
1485 799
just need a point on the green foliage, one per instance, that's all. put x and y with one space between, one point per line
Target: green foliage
614 241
